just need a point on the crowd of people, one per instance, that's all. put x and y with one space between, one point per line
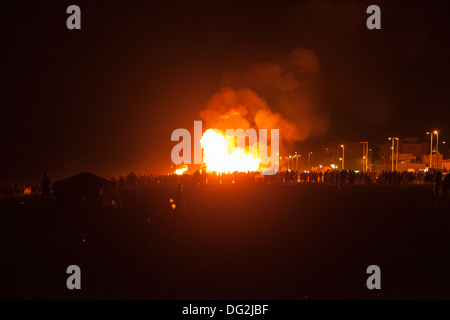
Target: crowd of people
441 183
340 177
8 190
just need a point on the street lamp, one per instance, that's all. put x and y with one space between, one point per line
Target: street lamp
365 154
392 155
437 146
296 161
437 141
431 145
396 162
309 160
343 156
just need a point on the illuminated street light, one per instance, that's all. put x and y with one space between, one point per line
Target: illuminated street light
309 160
343 156
437 146
392 148
392 153
396 162
365 154
431 145
437 141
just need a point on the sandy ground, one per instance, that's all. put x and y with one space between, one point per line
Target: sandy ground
237 242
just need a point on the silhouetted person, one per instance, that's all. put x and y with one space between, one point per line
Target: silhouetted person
45 188
121 183
437 187
445 187
197 178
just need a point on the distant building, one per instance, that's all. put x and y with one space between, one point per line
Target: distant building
414 147
84 189
412 155
446 165
436 161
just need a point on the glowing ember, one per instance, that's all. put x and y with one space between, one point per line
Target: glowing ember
221 156
172 204
181 170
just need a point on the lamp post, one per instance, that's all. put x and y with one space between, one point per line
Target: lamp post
396 157
431 146
365 154
343 156
309 161
392 152
437 140
396 162
437 146
367 157
296 161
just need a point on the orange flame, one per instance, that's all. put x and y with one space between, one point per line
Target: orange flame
180 171
221 156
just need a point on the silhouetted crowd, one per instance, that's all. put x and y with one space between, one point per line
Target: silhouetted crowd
330 177
10 190
441 183
340 177
133 181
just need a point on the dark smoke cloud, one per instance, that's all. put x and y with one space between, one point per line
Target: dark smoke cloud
282 95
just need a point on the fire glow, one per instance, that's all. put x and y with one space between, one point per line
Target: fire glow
180 171
221 156
227 153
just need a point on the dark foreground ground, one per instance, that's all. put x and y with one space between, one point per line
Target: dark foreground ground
256 242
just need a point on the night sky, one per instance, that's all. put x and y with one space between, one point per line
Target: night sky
106 98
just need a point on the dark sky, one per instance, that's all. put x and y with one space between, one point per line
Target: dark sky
106 98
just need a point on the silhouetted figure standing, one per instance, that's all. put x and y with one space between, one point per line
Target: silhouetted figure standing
445 188
45 188
437 187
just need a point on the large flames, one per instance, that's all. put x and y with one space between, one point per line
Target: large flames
221 156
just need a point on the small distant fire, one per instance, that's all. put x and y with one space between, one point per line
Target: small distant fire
221 156
180 171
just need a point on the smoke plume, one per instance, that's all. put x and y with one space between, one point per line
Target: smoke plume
281 95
